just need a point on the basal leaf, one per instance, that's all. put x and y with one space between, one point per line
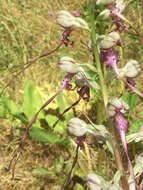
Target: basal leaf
32 101
42 135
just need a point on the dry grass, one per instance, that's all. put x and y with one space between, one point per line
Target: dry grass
22 38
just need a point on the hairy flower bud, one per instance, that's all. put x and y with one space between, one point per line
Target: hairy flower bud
77 127
117 105
67 64
83 79
104 2
66 20
131 69
110 40
94 181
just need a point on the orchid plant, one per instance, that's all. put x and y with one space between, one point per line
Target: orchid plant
105 50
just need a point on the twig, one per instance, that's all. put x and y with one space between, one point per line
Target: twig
74 104
73 165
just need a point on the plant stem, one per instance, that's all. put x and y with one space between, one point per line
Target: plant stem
105 98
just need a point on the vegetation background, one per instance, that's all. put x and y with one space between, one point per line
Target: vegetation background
27 30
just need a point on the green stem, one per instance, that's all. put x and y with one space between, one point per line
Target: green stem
105 99
98 65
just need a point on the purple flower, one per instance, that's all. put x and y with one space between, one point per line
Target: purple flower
44 28
51 13
121 123
111 59
76 13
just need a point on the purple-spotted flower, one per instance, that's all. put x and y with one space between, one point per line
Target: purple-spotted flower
110 58
117 108
107 53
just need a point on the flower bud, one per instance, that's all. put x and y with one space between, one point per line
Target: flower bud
117 105
77 127
104 2
66 20
67 64
131 69
83 79
110 40
94 182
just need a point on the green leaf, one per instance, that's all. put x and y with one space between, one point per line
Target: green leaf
8 106
41 171
117 176
42 135
51 119
131 100
32 101
61 102
134 126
